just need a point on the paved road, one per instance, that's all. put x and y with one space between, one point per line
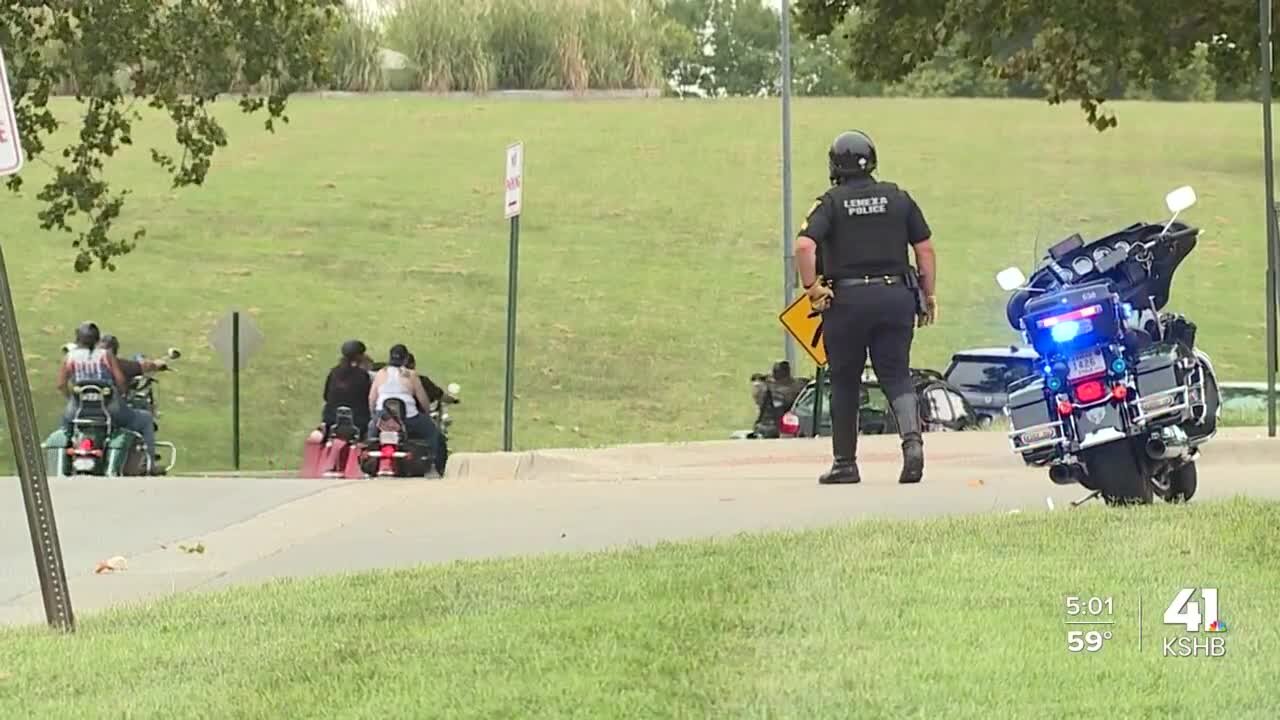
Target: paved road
257 529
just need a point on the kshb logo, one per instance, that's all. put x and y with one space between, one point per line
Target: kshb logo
1188 613
1185 611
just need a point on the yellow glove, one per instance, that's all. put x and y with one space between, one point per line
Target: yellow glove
819 295
930 315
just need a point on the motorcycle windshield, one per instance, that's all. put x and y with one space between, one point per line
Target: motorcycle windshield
1141 279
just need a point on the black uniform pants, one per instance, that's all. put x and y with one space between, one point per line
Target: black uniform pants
866 319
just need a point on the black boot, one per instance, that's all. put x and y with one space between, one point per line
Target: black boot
906 410
844 441
842 472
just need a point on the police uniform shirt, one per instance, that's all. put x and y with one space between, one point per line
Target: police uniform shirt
863 227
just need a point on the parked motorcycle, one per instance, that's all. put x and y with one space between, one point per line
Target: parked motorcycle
1122 400
96 446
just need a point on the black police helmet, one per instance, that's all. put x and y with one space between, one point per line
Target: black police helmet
852 153
111 343
398 356
353 349
87 335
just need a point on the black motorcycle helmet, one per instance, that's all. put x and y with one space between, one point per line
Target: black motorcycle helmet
87 335
352 350
781 370
852 154
111 343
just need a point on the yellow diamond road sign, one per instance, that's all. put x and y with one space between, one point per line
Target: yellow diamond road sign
805 325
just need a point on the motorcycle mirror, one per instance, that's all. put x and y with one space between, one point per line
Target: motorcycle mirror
1010 278
1180 199
173 353
454 388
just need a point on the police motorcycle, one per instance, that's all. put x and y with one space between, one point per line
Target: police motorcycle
96 446
394 454
1123 400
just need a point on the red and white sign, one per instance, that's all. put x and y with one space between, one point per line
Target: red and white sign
515 180
10 146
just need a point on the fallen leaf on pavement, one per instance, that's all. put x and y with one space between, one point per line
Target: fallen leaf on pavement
198 548
976 483
111 565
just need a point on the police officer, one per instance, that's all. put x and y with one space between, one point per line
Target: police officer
852 257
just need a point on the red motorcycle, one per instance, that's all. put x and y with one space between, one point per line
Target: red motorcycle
394 453
334 450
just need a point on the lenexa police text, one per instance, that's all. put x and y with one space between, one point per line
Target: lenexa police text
867 206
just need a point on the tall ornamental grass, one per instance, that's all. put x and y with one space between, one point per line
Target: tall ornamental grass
479 45
355 52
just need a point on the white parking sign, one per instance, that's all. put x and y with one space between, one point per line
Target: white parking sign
515 180
10 147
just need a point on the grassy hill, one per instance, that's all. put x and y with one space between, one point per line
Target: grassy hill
650 254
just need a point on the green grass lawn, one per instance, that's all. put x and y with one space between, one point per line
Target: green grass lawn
885 619
650 254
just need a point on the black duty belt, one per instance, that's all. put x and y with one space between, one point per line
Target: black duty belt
870 280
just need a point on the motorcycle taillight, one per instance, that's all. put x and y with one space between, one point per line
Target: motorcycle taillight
86 444
388 450
790 424
1090 391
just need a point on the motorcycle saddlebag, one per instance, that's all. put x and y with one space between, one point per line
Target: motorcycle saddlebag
56 461
1031 420
1162 396
120 447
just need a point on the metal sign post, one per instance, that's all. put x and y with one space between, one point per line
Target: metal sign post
788 262
20 411
1264 27
512 209
235 337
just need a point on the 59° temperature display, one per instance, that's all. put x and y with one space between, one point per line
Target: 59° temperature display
1086 640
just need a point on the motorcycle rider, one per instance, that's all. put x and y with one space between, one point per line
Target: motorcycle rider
348 384
131 368
88 363
397 381
774 394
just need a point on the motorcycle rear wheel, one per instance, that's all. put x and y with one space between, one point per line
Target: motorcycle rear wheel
1182 483
1116 471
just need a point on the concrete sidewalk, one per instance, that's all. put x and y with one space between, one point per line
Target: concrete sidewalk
521 504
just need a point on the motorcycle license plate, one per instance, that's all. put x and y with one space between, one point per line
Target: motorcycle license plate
1085 364
83 463
389 438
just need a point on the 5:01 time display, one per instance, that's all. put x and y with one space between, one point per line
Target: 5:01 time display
1089 606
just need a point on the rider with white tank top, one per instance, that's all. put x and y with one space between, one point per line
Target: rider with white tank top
397 386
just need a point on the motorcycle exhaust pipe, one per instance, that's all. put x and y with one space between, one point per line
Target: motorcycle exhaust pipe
1065 473
1164 448
1160 449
